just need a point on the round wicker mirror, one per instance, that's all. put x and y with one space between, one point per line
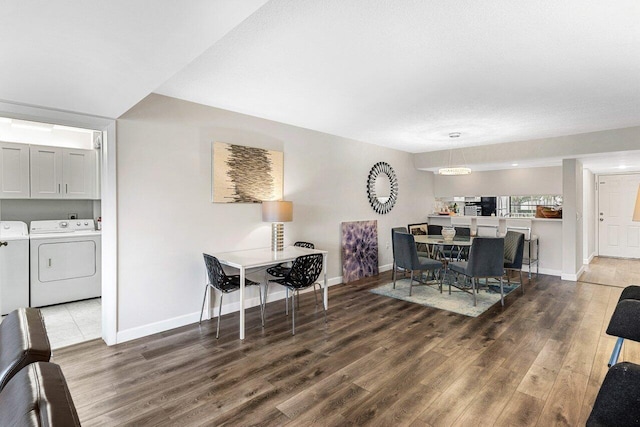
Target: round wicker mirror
382 187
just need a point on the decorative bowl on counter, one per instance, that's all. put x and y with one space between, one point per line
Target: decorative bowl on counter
448 233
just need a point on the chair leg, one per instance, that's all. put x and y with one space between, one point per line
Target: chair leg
324 308
474 284
261 304
206 288
264 302
286 301
395 272
411 283
501 291
521 282
293 315
219 315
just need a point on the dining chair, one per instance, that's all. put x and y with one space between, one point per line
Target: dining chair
513 255
218 279
406 256
486 261
463 232
393 245
282 269
303 273
434 230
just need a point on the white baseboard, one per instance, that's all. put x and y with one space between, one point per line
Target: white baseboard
587 261
572 277
386 267
542 270
187 319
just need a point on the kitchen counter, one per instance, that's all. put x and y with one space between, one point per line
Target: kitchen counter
500 218
548 230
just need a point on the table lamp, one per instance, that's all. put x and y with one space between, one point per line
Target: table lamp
277 212
636 211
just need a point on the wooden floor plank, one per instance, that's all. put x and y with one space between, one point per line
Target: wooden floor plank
539 360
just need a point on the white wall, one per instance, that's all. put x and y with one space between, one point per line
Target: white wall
508 182
589 216
166 218
538 149
572 219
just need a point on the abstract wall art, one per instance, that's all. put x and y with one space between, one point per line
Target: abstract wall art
359 250
246 174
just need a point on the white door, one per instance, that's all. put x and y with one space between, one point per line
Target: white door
79 174
618 235
46 172
14 171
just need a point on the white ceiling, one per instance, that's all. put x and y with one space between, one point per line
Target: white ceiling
402 74
102 57
405 74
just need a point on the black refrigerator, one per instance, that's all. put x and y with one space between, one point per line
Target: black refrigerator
488 205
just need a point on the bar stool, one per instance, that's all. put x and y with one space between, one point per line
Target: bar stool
531 240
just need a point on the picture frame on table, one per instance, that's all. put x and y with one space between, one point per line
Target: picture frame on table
418 229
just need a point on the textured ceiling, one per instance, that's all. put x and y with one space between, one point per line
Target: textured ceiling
102 57
405 74
402 74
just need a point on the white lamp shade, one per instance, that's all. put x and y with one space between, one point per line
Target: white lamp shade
277 211
636 211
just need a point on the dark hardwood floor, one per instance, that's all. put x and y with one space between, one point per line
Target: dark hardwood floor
540 361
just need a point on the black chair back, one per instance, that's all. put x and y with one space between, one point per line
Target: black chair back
304 271
434 230
217 277
463 231
486 257
305 245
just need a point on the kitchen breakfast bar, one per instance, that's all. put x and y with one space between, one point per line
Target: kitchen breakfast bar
547 230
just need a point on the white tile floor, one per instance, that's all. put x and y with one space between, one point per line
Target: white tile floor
73 322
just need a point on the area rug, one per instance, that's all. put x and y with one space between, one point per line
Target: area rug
458 302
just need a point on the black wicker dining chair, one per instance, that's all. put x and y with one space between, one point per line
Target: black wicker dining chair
219 280
282 269
303 274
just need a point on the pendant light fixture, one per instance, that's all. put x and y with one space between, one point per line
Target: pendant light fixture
455 170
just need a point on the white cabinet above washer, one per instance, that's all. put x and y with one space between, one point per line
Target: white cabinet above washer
63 173
14 171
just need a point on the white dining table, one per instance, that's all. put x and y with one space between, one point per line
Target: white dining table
254 258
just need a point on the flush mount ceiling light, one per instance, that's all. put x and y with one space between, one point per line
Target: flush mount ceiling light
455 170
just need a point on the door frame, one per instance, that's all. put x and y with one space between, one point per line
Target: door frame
108 198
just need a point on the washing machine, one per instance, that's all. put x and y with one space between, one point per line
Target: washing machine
14 266
65 261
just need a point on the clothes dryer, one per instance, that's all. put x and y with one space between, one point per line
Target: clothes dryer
14 266
65 261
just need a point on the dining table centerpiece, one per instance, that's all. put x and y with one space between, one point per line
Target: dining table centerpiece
448 233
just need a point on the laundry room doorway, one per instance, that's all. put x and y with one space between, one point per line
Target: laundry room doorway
60 287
